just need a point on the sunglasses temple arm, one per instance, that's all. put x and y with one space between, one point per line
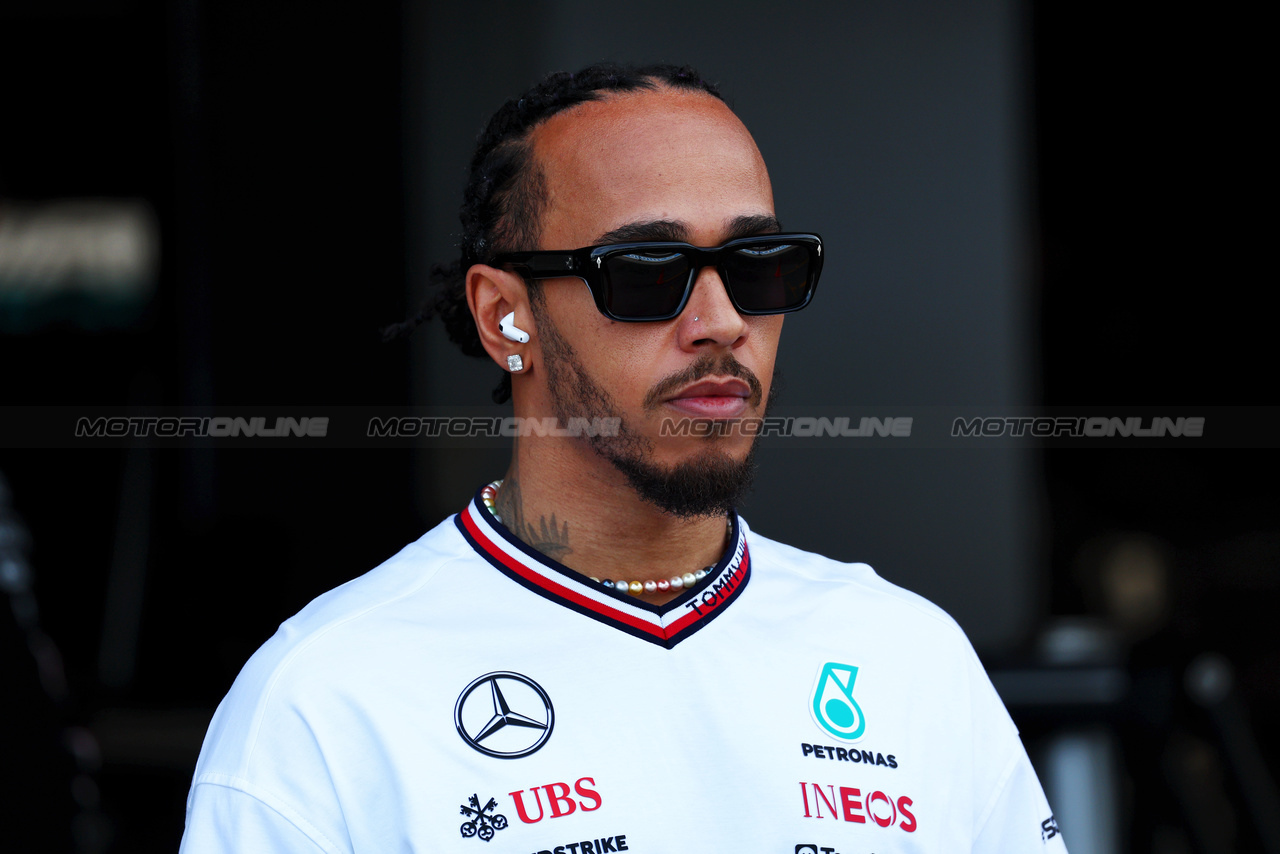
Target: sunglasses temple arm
547 265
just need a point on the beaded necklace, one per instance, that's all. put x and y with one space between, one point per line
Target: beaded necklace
489 496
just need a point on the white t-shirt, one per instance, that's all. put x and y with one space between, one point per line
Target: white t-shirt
472 695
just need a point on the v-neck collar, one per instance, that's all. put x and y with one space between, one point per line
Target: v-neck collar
665 625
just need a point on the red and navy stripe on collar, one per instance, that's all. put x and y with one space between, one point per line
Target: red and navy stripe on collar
665 625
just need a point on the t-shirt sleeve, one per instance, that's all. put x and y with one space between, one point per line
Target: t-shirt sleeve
226 819
1019 820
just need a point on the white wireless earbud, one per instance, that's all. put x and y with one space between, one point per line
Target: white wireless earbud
507 326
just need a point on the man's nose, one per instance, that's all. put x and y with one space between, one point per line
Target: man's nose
709 316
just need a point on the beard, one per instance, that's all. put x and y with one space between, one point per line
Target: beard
710 484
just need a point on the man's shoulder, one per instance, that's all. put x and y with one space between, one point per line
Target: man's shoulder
270 733
354 624
848 605
853 584
400 576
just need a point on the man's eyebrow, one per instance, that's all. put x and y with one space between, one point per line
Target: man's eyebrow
677 232
658 229
750 226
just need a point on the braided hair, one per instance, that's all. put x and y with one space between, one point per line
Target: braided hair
506 191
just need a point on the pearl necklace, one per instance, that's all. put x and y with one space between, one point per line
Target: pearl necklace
489 496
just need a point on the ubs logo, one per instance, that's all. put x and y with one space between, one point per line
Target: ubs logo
482 824
504 714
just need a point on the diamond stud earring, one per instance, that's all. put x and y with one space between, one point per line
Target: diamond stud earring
514 363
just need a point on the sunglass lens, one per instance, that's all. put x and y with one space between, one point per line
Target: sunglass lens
768 277
645 284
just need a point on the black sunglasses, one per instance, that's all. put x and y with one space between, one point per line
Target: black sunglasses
768 274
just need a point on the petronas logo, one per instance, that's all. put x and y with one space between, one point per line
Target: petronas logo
833 707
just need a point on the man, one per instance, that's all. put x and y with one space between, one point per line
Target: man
597 654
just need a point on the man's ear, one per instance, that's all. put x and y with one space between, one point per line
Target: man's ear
492 294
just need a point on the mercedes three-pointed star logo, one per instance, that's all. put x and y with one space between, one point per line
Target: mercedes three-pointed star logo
513 718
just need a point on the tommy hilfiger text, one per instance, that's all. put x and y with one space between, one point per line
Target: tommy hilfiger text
720 590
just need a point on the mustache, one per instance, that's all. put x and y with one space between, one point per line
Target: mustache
708 365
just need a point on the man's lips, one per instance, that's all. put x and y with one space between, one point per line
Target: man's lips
725 398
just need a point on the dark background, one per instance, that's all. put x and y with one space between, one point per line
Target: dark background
286 149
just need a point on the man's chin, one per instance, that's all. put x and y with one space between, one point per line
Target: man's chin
710 483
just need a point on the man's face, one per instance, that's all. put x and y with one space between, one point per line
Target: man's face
658 165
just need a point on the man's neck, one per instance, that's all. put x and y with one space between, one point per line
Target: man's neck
573 506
